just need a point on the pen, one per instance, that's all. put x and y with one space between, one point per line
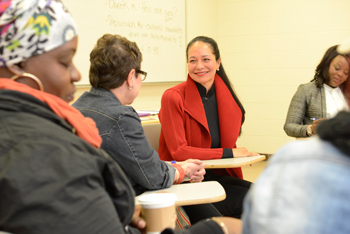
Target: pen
313 119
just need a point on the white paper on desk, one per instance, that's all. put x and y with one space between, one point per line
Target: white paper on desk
149 117
152 112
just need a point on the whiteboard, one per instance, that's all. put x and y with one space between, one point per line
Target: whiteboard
157 26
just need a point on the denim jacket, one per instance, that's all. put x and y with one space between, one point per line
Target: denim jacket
124 139
304 189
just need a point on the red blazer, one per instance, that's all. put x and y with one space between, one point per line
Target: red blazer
185 132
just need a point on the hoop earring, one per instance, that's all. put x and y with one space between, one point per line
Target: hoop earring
131 87
30 76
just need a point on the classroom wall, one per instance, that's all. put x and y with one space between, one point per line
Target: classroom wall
268 48
201 18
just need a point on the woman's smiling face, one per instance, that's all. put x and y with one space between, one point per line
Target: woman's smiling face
338 71
202 64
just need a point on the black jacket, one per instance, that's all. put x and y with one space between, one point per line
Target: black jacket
51 181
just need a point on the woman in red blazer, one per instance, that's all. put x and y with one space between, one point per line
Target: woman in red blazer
202 117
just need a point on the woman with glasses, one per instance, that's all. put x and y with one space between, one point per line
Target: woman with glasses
116 78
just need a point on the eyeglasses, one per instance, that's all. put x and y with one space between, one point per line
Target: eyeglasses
143 74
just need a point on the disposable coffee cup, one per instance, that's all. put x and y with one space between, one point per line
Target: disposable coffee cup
158 210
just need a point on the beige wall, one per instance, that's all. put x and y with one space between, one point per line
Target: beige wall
201 18
268 48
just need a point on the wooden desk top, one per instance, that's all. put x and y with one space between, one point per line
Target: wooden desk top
233 162
194 193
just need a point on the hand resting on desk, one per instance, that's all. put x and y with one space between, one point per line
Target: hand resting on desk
194 169
242 152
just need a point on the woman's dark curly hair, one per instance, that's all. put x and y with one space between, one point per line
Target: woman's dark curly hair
321 72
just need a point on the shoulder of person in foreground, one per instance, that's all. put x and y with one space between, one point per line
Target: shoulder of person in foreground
302 180
54 171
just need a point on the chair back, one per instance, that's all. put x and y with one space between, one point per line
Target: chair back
152 132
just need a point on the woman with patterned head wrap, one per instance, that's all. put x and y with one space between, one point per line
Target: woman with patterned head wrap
36 48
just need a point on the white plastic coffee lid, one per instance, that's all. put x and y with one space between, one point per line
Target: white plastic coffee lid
157 200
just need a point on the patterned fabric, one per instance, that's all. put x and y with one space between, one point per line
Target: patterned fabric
32 27
182 220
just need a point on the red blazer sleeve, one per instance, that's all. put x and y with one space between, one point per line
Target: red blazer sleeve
182 137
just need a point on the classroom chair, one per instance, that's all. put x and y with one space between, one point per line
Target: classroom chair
152 132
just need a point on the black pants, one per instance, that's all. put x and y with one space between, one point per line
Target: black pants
236 189
200 212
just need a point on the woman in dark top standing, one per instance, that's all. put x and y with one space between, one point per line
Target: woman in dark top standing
202 117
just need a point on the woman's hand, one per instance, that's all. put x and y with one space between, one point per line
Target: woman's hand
194 169
242 152
137 221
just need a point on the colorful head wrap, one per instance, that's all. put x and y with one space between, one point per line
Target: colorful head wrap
32 27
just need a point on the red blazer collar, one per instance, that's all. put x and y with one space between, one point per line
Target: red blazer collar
230 115
193 103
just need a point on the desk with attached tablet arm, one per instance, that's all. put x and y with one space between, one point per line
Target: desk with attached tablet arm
194 193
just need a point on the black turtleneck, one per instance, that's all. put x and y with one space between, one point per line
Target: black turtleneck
211 112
